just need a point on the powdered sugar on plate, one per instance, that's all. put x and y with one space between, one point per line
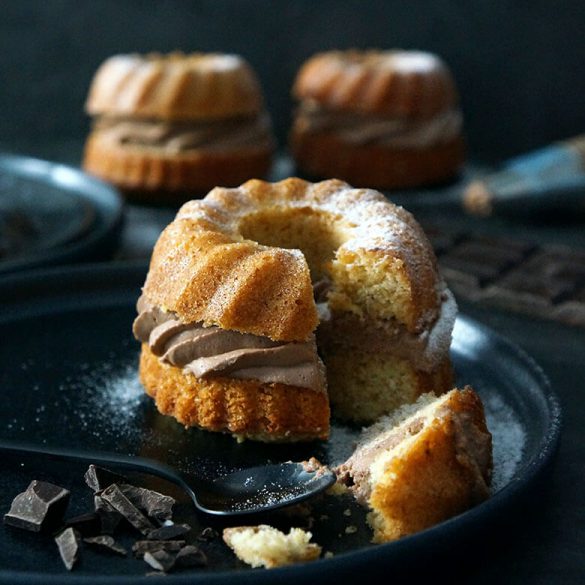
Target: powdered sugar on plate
508 437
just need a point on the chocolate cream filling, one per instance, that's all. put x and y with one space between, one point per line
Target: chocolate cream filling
208 352
176 137
362 129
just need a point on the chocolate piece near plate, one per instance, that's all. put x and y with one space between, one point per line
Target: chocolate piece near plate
542 280
141 547
106 543
114 496
190 556
99 478
69 543
88 524
208 534
109 517
169 532
41 506
153 504
159 560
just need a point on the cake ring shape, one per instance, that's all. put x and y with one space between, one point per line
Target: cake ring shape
385 119
169 127
228 314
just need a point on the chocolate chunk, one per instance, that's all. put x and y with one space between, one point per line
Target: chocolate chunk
41 506
141 547
99 478
153 504
190 556
114 496
169 532
109 517
208 534
69 542
86 524
159 560
106 543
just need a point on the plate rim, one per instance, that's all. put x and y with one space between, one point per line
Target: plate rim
347 561
106 200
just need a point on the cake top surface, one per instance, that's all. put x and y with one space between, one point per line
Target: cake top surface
392 83
242 259
175 86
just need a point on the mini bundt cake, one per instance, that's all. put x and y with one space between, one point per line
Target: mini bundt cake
426 462
170 127
227 316
382 119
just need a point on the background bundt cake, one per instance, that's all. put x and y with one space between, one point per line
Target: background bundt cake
383 119
426 462
227 317
168 127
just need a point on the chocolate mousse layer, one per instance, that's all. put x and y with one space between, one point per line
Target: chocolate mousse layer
177 137
424 351
386 131
212 351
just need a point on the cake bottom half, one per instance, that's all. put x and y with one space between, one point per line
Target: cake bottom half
269 412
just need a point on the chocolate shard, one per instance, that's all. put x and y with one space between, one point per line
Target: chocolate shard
109 517
190 556
153 504
88 524
114 496
69 544
169 532
208 534
160 560
141 547
41 506
106 543
99 478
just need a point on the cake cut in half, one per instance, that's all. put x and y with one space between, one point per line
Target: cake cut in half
233 337
426 462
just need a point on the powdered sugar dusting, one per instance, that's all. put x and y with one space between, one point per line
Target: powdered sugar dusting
509 439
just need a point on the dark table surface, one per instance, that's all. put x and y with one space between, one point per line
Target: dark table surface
544 542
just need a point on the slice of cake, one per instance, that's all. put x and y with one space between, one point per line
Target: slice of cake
426 462
265 546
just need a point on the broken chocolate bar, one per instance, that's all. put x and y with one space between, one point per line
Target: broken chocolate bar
109 517
41 506
106 543
99 478
114 496
141 547
169 532
88 524
190 556
542 280
68 543
153 504
160 560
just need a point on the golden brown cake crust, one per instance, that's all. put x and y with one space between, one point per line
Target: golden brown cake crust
175 87
204 270
157 176
388 83
246 408
441 475
377 166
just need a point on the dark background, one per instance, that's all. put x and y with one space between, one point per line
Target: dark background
520 65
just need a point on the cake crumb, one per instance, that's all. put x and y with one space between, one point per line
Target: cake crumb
265 546
323 517
351 529
328 555
347 512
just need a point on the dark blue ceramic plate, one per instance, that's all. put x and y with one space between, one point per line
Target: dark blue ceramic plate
68 380
54 214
